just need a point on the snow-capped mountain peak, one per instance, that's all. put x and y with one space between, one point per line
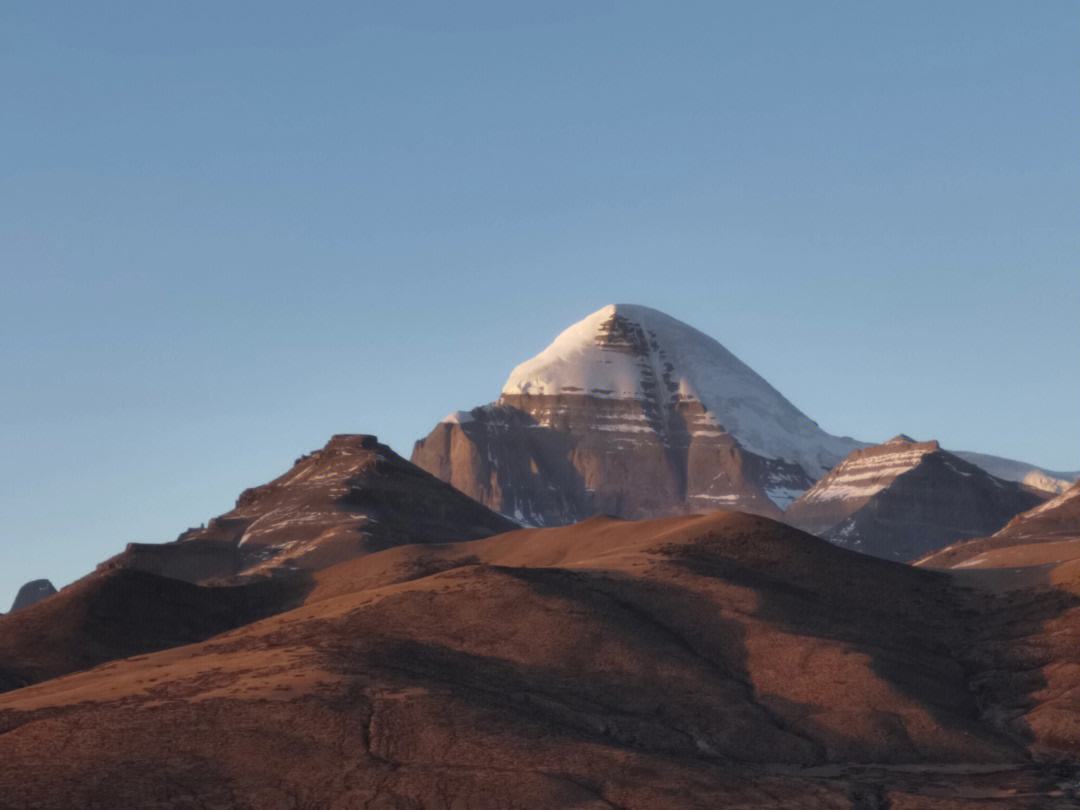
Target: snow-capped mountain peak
626 351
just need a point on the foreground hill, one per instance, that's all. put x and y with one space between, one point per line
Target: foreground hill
117 613
902 499
633 413
699 662
1034 564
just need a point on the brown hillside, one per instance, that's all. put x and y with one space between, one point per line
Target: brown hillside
725 660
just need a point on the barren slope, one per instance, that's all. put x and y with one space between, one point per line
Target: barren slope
112 614
690 662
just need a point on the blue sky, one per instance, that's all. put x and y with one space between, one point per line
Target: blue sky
231 229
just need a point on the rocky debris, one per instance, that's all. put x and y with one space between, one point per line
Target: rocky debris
902 499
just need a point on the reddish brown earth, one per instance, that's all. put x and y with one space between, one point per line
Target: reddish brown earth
699 662
113 614
1033 565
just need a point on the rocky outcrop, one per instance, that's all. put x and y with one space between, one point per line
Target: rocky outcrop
31 593
904 498
351 497
634 414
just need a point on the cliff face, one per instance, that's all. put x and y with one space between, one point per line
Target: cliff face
634 414
555 460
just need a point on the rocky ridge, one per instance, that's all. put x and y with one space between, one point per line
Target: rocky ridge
351 497
904 498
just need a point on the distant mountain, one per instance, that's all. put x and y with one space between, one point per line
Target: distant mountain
903 498
1052 481
118 613
1058 518
631 413
351 497
31 593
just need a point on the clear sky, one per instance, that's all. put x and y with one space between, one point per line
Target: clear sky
231 229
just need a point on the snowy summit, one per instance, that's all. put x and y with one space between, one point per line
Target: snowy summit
627 351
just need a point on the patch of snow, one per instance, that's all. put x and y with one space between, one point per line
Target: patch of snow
783 497
958 472
972 562
844 532
1052 481
458 418
866 476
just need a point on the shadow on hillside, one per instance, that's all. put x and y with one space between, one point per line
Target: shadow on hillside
675 679
123 612
916 631
963 653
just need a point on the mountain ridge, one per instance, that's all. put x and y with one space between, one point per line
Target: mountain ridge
904 498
